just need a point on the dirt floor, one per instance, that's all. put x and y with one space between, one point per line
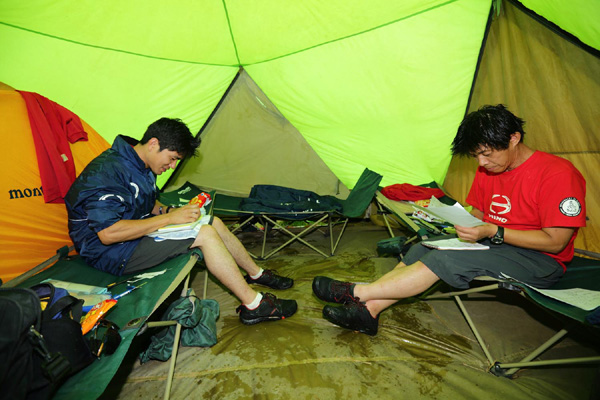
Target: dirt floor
424 349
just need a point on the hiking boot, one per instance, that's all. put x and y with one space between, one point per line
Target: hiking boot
354 316
270 309
333 291
272 280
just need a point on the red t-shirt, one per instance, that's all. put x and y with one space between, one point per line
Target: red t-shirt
545 191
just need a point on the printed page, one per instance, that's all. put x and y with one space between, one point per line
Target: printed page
455 214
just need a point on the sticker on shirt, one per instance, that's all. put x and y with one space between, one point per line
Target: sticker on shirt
570 207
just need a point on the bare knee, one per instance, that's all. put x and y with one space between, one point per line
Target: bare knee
400 265
219 226
207 234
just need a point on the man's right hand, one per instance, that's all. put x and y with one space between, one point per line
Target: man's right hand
184 215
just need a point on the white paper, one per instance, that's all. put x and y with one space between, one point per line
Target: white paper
455 214
180 232
454 244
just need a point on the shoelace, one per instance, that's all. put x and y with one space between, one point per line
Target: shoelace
345 287
270 298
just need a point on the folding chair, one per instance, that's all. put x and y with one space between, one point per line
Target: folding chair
354 206
581 273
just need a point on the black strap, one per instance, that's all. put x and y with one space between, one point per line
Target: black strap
63 306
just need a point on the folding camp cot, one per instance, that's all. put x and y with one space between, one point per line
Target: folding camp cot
582 275
401 212
132 311
354 206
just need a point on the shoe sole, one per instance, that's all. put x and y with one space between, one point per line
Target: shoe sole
251 282
365 331
261 319
270 287
257 320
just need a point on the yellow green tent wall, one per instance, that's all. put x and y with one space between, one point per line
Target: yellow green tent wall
379 84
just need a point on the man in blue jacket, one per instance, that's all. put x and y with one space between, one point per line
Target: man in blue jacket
113 205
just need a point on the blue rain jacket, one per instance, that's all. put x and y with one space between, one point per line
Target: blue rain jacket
116 185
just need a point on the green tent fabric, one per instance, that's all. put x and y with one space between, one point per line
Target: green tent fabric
355 78
198 319
379 84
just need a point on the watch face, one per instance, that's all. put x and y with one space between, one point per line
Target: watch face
497 240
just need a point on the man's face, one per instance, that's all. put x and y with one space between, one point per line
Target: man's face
161 160
495 161
498 161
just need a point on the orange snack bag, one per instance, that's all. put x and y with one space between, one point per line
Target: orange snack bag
201 199
94 315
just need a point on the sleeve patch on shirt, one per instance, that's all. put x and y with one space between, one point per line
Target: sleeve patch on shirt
570 207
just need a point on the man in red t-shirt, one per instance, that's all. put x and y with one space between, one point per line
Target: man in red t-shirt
532 204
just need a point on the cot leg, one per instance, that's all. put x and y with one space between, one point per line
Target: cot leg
175 347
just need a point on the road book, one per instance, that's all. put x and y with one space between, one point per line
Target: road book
454 244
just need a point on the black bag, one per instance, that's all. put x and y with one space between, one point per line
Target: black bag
61 326
38 353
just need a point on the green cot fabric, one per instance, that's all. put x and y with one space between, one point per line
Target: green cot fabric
581 273
198 319
183 195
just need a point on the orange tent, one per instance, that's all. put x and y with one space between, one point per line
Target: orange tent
30 230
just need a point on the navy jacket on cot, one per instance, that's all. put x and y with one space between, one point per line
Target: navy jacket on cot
116 185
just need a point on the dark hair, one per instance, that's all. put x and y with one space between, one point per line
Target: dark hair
172 134
490 126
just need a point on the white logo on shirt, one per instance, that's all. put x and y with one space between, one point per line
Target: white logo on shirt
570 207
137 189
106 196
497 207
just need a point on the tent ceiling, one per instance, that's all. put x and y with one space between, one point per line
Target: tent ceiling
379 84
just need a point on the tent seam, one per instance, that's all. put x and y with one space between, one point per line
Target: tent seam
354 34
116 50
237 56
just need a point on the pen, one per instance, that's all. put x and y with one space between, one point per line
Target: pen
116 283
117 297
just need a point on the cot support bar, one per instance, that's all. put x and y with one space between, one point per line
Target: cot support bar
519 365
175 347
474 329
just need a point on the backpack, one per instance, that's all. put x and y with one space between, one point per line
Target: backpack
39 349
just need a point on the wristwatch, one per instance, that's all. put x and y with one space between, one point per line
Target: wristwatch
498 238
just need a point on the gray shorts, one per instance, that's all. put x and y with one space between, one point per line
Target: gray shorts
149 252
458 267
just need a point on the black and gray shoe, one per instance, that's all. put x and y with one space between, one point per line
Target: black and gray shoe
270 279
354 316
333 291
270 309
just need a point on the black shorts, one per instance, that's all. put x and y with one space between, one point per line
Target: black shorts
458 267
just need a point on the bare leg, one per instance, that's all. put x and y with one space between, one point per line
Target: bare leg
221 264
401 282
236 248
